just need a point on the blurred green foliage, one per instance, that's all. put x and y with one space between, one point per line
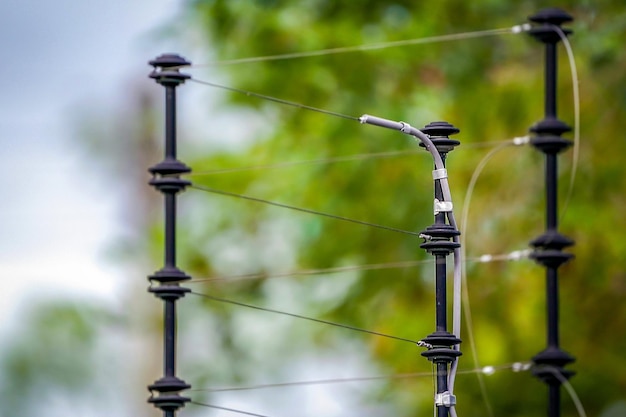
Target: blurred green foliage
492 89
57 361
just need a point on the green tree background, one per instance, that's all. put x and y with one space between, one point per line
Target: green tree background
492 89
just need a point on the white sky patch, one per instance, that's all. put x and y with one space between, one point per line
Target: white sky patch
57 218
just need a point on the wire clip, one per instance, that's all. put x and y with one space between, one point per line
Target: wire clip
525 27
521 366
516 255
445 399
439 174
406 128
421 343
442 206
521 140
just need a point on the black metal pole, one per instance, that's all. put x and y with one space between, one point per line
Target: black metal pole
165 392
548 248
439 243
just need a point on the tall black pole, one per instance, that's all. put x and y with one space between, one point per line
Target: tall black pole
439 243
548 248
165 392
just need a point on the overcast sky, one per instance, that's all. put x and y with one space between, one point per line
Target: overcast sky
54 224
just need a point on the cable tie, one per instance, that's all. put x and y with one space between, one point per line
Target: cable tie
521 28
421 343
442 206
521 140
425 236
445 399
439 174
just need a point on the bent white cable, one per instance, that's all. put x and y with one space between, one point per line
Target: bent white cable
440 175
576 97
465 290
456 303
570 390
464 286
409 130
369 47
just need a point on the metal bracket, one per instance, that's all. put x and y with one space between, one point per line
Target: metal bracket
445 399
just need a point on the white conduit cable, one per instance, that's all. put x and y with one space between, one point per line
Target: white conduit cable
447 196
456 292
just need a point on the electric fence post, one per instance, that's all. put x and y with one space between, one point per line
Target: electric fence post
548 248
166 179
440 242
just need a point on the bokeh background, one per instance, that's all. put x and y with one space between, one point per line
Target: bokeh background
81 229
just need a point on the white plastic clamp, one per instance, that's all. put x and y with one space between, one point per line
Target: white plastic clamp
439 174
445 399
442 206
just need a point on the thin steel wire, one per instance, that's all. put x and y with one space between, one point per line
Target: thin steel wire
432 373
466 299
516 367
486 258
331 160
276 100
298 316
317 382
232 410
318 271
347 158
361 48
304 210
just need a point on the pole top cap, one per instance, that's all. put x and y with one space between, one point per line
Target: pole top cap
439 133
440 129
169 60
551 15
167 69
